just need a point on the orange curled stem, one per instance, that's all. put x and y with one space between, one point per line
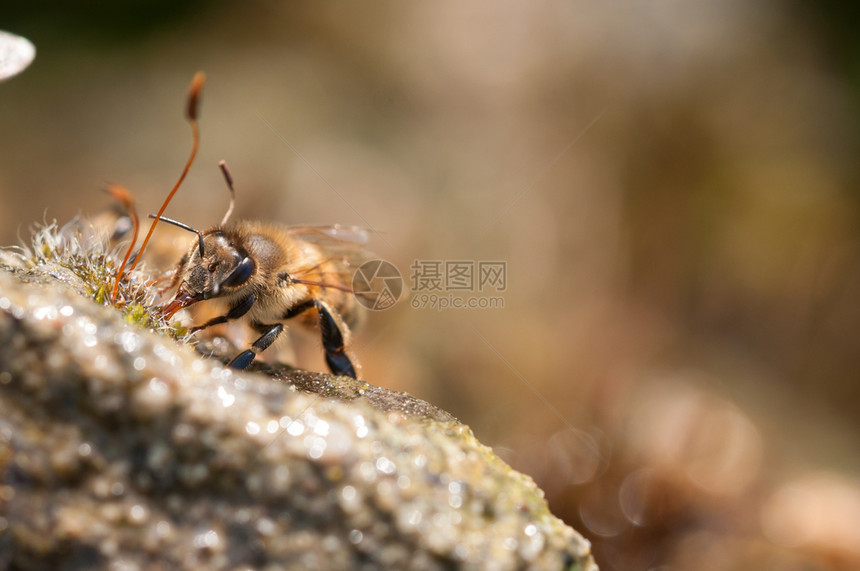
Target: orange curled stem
191 114
124 196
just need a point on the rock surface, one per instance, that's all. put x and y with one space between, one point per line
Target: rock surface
123 448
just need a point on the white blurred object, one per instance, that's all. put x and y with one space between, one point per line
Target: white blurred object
16 53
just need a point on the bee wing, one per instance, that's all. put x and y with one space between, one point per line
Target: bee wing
331 233
343 251
338 275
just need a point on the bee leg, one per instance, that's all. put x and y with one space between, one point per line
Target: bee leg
298 309
174 279
333 342
245 358
235 312
175 276
161 279
332 330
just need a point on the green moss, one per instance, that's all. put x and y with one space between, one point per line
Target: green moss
80 249
100 295
179 330
137 315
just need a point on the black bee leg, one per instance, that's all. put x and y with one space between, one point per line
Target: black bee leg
333 342
300 308
332 330
245 358
235 312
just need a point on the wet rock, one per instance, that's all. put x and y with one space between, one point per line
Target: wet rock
123 448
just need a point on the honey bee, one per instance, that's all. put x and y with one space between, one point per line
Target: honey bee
268 273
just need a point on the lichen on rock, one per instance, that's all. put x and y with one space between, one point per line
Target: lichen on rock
121 446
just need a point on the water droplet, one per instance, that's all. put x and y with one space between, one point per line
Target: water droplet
130 341
17 53
296 428
226 398
266 526
315 446
208 539
137 513
321 427
414 517
49 312
162 528
158 386
385 465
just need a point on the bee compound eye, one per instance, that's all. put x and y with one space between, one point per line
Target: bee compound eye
212 266
241 274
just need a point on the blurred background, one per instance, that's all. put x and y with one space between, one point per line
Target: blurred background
673 187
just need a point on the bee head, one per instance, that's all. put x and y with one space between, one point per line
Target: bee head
215 265
217 268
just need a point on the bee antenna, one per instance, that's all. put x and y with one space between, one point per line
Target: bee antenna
191 114
184 227
229 178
